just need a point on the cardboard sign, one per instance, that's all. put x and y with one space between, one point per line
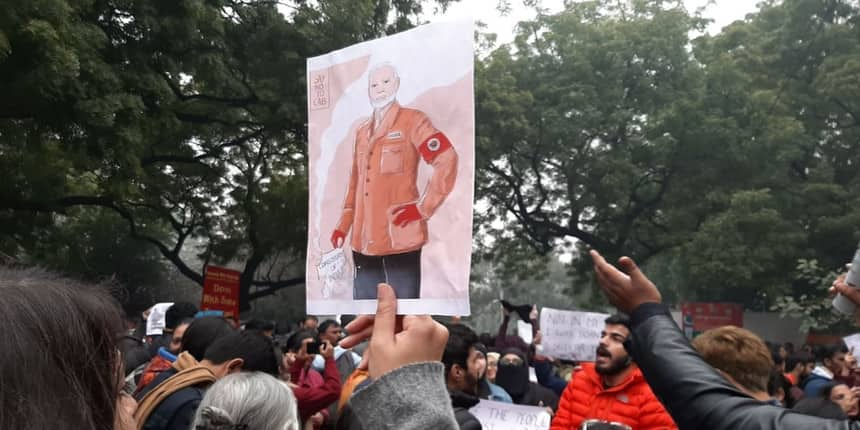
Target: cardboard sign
391 159
155 320
507 416
221 291
571 335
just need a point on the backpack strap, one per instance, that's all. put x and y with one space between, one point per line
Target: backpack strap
187 378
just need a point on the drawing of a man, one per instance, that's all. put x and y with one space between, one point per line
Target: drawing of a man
384 208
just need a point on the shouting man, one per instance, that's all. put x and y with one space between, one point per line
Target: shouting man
611 390
384 208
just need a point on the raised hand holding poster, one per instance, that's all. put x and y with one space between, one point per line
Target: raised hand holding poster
391 149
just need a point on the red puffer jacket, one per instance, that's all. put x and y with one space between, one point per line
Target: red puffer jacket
631 402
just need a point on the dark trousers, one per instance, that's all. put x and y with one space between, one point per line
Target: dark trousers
401 271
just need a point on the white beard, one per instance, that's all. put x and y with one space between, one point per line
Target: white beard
381 103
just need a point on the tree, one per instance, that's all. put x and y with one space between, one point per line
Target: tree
186 119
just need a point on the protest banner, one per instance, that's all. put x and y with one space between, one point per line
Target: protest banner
853 343
571 335
391 134
508 416
221 291
700 317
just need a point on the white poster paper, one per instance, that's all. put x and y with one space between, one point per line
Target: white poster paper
524 330
571 335
853 343
391 149
155 321
507 416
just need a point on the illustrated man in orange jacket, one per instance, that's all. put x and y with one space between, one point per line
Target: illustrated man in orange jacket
611 392
384 209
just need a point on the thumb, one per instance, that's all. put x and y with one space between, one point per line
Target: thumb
629 267
386 313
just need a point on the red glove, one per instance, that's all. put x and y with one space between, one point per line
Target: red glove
337 238
406 214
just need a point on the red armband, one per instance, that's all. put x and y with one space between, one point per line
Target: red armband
433 146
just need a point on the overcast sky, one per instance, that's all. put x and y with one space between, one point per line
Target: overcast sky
723 12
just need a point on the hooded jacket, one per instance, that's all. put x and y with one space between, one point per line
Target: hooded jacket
462 402
819 377
631 402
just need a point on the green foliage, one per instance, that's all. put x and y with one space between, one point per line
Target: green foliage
815 309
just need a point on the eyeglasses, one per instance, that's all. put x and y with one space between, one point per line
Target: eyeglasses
511 362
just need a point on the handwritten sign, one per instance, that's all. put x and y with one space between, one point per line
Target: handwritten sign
221 291
155 321
853 343
507 416
318 96
571 335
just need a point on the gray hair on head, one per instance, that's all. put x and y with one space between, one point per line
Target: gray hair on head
383 65
247 400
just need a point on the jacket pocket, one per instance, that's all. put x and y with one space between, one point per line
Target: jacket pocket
391 160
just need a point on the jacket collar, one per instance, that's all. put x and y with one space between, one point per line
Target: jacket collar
634 377
377 130
460 399
823 372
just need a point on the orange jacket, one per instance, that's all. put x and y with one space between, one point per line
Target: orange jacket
385 177
631 402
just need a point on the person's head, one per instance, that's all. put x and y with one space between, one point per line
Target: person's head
831 356
820 407
741 356
789 348
266 327
297 339
612 358
309 322
800 364
842 396
462 360
330 330
175 345
382 85
492 365
251 400
176 313
202 333
488 340
850 362
778 360
242 351
59 360
779 388
513 372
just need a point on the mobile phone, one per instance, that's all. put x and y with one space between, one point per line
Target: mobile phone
314 347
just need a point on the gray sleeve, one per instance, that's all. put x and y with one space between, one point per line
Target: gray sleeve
412 397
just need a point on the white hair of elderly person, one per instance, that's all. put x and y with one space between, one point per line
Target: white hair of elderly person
248 401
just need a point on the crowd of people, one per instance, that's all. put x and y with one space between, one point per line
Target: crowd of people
70 359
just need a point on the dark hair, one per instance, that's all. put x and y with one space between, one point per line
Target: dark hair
256 350
259 325
819 407
310 317
326 324
827 389
829 351
178 312
777 359
776 381
789 347
294 342
618 319
488 340
58 354
346 319
797 358
202 333
460 340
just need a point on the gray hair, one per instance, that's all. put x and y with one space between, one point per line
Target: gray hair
247 400
383 65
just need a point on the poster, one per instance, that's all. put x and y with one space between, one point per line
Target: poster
699 317
156 319
221 291
391 172
571 335
852 342
507 416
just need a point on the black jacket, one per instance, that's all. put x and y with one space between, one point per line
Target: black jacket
693 392
462 402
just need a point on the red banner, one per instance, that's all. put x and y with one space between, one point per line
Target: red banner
699 317
221 291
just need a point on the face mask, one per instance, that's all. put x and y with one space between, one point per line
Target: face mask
514 379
